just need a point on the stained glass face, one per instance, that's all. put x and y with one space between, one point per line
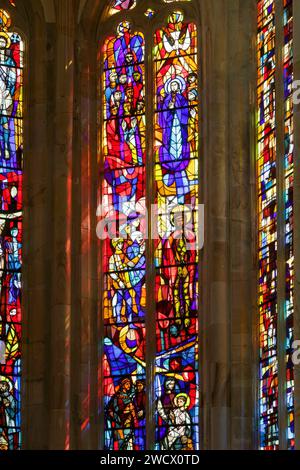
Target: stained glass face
176 189
124 262
267 225
289 211
11 173
121 5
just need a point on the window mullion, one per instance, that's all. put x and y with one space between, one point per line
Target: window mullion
281 275
150 271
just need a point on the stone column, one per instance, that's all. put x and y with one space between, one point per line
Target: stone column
61 225
241 161
89 289
216 310
37 240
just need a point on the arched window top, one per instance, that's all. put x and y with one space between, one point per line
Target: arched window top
145 15
10 42
133 152
117 6
177 37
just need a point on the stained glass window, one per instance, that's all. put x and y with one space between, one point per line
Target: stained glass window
267 224
289 210
119 5
126 183
11 172
275 315
176 178
124 255
149 13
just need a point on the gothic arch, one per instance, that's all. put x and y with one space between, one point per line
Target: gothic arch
61 329
224 173
96 24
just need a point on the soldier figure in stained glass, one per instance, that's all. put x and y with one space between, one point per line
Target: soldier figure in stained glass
123 414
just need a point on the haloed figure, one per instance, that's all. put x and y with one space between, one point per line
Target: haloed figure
174 154
8 412
179 432
8 82
3 444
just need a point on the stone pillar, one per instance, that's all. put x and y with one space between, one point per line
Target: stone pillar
37 238
61 155
216 309
241 161
89 289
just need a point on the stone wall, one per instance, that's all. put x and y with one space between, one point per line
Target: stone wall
61 275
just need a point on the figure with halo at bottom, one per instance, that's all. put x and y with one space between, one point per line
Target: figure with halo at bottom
179 432
8 412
